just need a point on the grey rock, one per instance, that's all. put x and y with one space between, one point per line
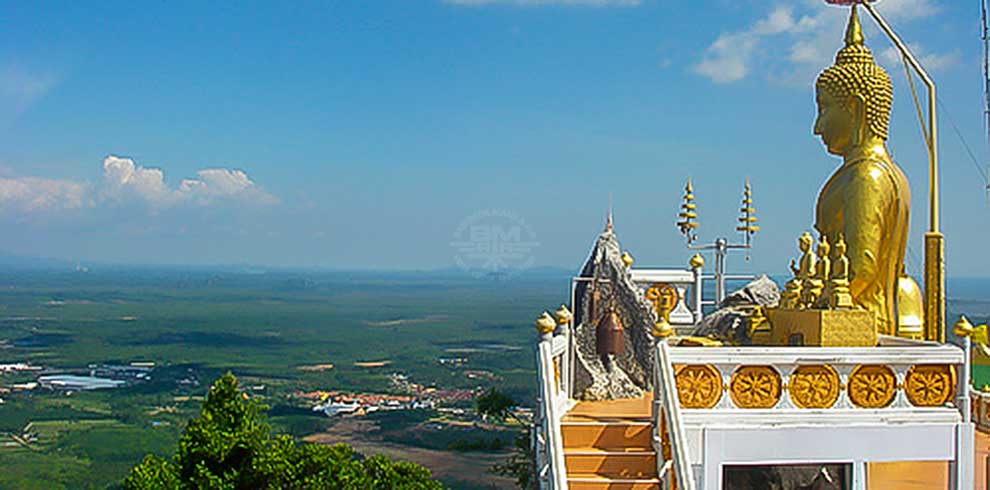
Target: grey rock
630 373
730 322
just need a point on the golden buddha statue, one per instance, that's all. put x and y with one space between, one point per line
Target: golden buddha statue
792 295
867 199
816 284
837 292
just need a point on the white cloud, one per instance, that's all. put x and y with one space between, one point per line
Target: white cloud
528 3
29 194
791 44
891 58
125 183
20 87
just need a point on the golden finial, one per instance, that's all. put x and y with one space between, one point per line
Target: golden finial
545 324
963 328
627 259
688 214
696 261
747 214
978 334
854 33
563 315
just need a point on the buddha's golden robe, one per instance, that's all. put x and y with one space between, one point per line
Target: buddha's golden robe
868 201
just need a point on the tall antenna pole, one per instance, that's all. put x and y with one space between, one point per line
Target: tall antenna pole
986 84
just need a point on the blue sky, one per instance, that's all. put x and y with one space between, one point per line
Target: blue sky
363 134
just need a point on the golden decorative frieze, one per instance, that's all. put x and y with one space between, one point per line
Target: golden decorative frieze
930 385
814 386
698 386
755 387
872 386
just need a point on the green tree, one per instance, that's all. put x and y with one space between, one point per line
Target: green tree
230 447
519 464
494 403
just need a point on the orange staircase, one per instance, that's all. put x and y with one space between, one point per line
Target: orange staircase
607 445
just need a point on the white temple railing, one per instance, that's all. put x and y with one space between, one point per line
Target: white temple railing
666 415
552 366
734 401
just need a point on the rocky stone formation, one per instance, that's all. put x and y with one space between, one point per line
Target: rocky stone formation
730 322
630 373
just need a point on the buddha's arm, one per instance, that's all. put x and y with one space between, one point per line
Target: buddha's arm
865 208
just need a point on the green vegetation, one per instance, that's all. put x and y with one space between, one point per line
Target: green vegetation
494 403
229 446
266 329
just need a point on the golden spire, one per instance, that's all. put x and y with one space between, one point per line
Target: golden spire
688 214
854 33
747 214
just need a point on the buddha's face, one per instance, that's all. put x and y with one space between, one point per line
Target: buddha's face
836 123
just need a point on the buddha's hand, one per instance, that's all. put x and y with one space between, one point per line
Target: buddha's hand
794 268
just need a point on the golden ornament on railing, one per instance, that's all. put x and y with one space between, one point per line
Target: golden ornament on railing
545 324
755 387
698 386
872 386
930 385
664 297
814 386
627 259
963 328
688 214
563 315
696 261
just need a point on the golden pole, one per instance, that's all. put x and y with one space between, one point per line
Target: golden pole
934 240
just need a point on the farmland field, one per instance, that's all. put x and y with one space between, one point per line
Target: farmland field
280 332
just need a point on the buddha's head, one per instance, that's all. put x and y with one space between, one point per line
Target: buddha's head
823 247
804 242
854 96
840 246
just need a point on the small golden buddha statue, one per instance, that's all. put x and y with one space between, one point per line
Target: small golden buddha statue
816 283
792 295
867 199
837 292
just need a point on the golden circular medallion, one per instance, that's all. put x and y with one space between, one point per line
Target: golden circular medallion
755 387
813 386
872 386
698 386
930 385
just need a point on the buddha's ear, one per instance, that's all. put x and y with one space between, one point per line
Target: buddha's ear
857 108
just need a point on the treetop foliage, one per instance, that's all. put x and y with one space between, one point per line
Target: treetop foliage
230 447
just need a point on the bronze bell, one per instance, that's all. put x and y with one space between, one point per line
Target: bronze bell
609 334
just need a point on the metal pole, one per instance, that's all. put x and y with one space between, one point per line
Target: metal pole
720 252
934 240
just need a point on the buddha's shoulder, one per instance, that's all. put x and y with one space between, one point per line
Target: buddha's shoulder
872 171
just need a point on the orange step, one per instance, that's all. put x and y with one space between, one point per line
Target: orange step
613 464
605 435
597 482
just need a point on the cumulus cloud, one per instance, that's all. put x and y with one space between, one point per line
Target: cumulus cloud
528 3
41 194
791 43
126 183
